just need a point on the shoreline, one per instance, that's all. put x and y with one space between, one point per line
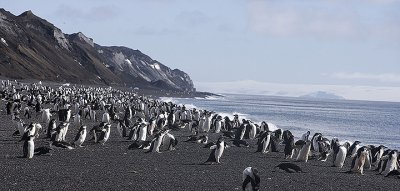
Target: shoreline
114 167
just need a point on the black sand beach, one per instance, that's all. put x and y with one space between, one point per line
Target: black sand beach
113 167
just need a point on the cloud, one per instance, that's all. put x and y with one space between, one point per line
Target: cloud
385 77
285 19
337 18
99 13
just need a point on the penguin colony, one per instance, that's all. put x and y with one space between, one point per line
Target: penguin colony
150 124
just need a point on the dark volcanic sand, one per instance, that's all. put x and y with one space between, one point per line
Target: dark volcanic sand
113 167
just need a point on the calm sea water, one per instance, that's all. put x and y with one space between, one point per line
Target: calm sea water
369 122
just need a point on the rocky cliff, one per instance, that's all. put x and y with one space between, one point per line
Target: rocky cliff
33 48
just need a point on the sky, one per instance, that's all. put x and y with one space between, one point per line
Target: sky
270 45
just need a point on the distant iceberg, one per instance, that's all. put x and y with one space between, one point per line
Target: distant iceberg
322 95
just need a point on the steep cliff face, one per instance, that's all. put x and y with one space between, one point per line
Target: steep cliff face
32 48
140 66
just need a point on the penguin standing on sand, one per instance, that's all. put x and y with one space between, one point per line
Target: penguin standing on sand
51 128
263 141
28 148
216 151
352 152
304 152
391 164
339 153
80 136
157 141
250 175
105 134
121 127
358 162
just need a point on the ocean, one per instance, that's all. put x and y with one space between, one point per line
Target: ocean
370 122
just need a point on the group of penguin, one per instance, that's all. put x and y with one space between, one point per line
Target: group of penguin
149 124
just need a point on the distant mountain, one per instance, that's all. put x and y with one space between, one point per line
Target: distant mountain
322 95
33 48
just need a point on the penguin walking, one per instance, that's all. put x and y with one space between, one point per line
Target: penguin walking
80 136
304 152
250 175
216 151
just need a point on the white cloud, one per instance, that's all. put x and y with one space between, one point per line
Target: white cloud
385 77
294 90
335 18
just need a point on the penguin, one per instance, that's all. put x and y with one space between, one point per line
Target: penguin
340 153
142 131
305 136
77 120
80 136
383 162
304 152
253 130
92 115
250 175
51 128
42 150
297 147
106 118
393 173
157 141
289 146
169 141
216 151
228 134
134 132
376 154
105 134
314 140
263 141
29 144
21 128
392 163
218 124
140 145
198 139
152 126
121 127
27 112
359 159
63 131
324 147
289 167
62 144
352 152
46 116
238 143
